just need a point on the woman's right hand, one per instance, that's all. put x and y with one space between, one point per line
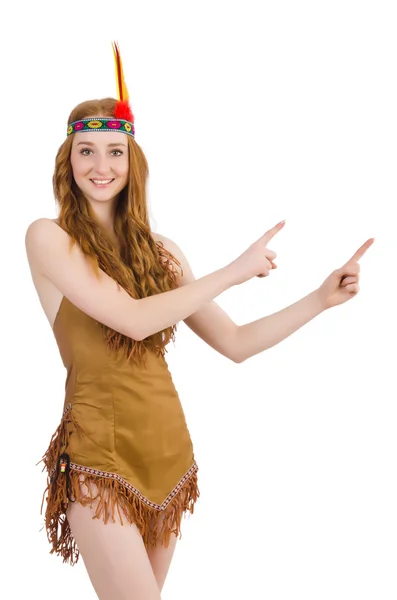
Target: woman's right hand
257 260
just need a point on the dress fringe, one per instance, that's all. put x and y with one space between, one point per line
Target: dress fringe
109 494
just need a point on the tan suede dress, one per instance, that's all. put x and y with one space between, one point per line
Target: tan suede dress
122 429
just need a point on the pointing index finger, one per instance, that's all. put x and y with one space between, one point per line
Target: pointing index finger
272 232
362 250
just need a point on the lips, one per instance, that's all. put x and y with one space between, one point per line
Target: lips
101 182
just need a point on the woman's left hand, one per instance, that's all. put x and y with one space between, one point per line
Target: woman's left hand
343 284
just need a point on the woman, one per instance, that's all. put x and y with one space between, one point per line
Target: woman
121 468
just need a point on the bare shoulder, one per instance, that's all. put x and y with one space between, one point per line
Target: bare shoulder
158 237
170 245
39 236
38 231
41 224
185 271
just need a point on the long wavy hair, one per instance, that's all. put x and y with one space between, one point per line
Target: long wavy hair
142 267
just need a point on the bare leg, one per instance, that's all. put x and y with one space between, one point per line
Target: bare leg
114 555
160 560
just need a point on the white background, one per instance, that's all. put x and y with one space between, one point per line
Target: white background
248 113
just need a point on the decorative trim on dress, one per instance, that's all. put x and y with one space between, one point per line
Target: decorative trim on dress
107 493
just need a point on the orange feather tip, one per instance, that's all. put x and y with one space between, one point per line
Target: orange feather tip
123 108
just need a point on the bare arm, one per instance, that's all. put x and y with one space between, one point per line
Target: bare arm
239 342
260 335
211 323
47 245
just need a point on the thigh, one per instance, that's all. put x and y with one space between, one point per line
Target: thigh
160 560
114 555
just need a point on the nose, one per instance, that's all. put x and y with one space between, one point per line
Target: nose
101 164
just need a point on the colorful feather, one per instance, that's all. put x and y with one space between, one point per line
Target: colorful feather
123 108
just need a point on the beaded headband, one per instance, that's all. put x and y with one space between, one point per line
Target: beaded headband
123 117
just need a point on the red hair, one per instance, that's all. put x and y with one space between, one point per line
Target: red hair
143 267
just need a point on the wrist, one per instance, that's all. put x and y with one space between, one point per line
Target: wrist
319 301
228 276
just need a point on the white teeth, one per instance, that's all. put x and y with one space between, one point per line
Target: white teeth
101 182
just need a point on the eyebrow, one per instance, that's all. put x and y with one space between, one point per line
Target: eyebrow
92 144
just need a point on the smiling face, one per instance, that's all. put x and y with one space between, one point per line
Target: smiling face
100 164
